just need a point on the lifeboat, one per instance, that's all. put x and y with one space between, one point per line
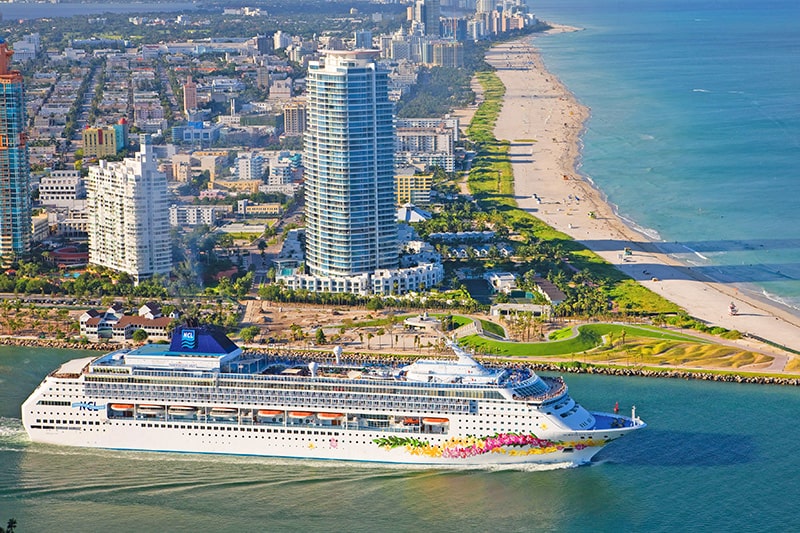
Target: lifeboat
270 412
223 412
330 416
410 421
121 407
182 410
148 409
300 414
436 421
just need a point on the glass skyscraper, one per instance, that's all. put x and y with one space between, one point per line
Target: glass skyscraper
15 199
351 225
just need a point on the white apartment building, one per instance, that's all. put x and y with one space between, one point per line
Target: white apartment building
383 281
128 215
192 215
62 188
428 141
250 166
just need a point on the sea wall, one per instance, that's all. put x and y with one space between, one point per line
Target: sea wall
53 343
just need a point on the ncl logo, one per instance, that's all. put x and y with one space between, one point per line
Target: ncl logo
188 339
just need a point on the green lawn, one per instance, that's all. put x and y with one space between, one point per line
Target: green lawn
493 328
590 336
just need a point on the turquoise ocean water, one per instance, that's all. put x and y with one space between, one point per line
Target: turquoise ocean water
715 457
695 127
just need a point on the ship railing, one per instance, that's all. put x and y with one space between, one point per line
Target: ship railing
556 388
443 406
247 379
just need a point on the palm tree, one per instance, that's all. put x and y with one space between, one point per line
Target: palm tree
380 333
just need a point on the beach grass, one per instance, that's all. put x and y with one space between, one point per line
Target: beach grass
793 365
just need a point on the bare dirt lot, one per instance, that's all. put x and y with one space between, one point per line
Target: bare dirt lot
351 328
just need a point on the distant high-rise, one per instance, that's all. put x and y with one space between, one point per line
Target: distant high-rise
129 215
15 200
427 13
363 40
294 118
189 96
351 223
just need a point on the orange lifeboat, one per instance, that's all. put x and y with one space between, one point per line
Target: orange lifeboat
270 412
300 414
436 421
121 406
411 421
330 416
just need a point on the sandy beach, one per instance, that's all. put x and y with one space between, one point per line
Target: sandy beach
543 121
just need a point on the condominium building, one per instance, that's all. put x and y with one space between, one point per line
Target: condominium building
428 141
413 188
129 216
349 147
62 188
294 118
15 200
192 215
426 14
250 166
189 96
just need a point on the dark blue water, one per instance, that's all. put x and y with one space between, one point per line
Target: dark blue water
695 128
715 457
19 11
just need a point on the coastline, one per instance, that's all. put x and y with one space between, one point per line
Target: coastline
544 123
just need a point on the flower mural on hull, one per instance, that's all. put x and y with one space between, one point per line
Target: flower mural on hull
464 447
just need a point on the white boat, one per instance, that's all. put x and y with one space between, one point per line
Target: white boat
182 411
148 409
446 412
223 412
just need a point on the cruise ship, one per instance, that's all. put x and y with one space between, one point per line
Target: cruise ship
202 394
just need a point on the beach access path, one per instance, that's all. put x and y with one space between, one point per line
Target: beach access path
543 122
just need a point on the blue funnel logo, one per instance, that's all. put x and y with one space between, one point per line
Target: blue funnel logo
188 339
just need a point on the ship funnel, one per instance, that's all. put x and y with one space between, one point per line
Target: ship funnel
338 353
312 367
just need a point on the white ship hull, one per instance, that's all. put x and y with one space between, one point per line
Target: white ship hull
202 395
98 427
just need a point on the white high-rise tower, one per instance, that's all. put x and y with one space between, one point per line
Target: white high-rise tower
129 215
351 223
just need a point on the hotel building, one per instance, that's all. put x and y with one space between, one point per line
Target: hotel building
129 215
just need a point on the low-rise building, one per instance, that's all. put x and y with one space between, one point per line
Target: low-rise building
62 188
113 325
192 215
